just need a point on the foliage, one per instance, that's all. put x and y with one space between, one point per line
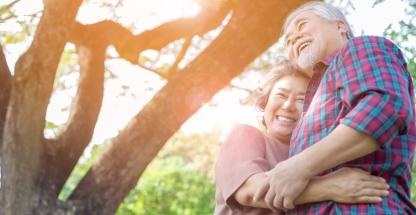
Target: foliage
81 169
404 34
22 26
199 151
170 187
183 169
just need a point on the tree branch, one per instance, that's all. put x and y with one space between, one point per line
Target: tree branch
78 131
161 74
10 5
130 46
233 86
139 64
172 70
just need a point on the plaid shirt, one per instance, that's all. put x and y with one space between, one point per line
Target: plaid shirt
365 86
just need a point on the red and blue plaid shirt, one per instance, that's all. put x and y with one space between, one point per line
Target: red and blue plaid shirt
365 86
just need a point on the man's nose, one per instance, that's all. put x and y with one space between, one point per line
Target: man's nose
295 36
293 39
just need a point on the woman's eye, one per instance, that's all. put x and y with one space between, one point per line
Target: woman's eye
281 95
300 100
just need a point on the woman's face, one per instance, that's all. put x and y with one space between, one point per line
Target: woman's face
284 106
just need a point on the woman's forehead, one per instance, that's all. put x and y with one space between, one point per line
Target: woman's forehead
288 83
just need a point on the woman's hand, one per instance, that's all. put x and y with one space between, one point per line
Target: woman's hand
351 185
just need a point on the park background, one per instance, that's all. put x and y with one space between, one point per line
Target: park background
180 179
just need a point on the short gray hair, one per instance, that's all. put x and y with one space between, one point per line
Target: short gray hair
323 10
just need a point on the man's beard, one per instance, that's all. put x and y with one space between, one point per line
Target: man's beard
308 58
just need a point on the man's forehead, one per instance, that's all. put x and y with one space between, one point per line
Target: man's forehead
304 15
307 14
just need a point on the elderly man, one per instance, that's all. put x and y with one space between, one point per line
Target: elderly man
359 112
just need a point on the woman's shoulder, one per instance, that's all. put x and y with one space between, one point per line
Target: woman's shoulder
245 135
246 131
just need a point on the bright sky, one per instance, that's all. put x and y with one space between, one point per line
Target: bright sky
118 109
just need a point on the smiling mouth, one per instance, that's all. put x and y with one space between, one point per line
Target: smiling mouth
303 46
285 119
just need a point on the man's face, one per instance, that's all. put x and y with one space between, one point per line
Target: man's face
310 38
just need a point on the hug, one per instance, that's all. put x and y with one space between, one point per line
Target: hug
339 127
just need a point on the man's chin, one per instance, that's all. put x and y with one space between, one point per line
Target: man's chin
306 63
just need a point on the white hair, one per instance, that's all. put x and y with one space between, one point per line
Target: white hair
323 10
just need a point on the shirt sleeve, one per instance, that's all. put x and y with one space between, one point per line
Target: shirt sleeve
374 83
241 155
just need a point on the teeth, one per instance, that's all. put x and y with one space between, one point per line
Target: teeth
284 119
302 46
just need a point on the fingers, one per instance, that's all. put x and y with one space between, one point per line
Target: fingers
372 192
269 199
369 199
373 178
260 192
375 185
278 202
288 203
371 195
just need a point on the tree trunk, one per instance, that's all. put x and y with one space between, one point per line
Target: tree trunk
25 120
5 85
255 26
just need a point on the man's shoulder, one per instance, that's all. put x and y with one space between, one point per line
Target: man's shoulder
369 43
366 46
369 39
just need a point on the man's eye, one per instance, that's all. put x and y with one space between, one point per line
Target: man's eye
301 25
288 43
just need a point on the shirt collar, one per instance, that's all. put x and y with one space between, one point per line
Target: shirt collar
324 63
327 60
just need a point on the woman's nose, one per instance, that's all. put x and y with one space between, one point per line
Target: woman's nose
289 104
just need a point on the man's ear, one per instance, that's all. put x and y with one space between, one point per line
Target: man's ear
342 28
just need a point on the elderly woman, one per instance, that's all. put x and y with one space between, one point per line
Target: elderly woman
249 153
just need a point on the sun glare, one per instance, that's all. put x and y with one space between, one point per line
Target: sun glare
142 14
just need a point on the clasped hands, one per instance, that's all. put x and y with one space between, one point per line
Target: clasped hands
286 181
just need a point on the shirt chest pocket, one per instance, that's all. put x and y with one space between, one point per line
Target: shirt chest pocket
324 114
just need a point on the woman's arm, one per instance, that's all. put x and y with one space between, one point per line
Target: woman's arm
346 185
